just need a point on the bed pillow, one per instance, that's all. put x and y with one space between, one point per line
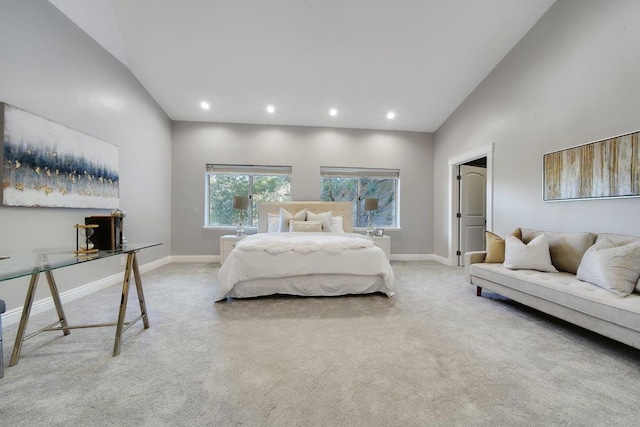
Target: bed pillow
305 226
285 217
324 218
611 267
273 222
532 256
336 224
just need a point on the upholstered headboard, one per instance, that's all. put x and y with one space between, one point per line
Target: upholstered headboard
344 209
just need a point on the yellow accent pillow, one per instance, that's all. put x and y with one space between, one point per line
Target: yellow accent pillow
495 246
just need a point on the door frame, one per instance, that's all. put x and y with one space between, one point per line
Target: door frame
454 194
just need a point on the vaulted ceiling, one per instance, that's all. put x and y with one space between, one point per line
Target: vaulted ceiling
364 58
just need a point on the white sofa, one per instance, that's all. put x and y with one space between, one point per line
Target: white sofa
561 294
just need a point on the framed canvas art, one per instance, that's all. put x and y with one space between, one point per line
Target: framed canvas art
46 164
603 169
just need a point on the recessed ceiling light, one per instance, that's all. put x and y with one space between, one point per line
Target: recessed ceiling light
205 105
333 112
391 115
271 109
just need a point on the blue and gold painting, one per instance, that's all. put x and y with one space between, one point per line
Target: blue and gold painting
46 164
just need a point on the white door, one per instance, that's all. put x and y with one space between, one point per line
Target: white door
473 210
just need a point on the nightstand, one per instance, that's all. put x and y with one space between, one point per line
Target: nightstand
227 243
384 243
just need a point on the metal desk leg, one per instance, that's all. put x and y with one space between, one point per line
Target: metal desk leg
143 306
26 310
56 300
123 303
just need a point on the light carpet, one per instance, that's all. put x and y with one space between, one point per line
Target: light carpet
434 354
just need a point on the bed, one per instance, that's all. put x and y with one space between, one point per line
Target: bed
310 263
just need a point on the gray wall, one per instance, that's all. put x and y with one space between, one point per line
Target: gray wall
53 69
305 149
574 78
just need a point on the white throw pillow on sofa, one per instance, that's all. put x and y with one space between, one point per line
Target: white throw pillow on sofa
611 267
532 256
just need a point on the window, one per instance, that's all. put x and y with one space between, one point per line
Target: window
260 183
357 184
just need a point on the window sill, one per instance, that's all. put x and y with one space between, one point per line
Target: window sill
228 228
255 229
364 229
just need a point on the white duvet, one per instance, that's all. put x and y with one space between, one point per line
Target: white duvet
280 255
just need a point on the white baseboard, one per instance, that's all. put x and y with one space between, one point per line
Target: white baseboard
441 259
410 257
420 257
195 258
13 316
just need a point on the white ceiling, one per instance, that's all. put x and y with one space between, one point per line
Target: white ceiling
420 58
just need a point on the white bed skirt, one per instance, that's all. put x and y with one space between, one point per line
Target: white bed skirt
311 285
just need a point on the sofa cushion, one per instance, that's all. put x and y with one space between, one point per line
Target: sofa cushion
566 290
566 249
532 256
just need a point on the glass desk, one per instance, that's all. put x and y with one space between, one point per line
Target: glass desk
32 263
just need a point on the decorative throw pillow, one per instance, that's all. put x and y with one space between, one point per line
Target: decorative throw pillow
324 218
611 267
566 249
305 226
532 256
517 233
336 224
273 222
495 246
285 217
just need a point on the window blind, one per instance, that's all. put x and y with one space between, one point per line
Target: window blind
342 172
249 169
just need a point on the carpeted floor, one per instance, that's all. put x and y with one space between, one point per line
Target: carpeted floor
435 354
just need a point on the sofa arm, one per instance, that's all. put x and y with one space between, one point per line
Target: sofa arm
472 258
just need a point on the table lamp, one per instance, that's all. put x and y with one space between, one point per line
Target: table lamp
370 204
242 203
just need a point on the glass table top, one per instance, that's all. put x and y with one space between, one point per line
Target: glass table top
24 263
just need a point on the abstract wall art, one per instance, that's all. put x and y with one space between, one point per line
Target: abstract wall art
603 169
46 164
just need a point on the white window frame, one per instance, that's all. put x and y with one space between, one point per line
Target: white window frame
363 173
250 171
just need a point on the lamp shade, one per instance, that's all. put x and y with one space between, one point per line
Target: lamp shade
240 202
371 204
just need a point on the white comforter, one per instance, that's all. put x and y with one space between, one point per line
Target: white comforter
278 255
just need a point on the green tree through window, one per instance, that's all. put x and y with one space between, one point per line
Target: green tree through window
357 184
260 183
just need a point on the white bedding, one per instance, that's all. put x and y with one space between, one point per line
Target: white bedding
267 257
